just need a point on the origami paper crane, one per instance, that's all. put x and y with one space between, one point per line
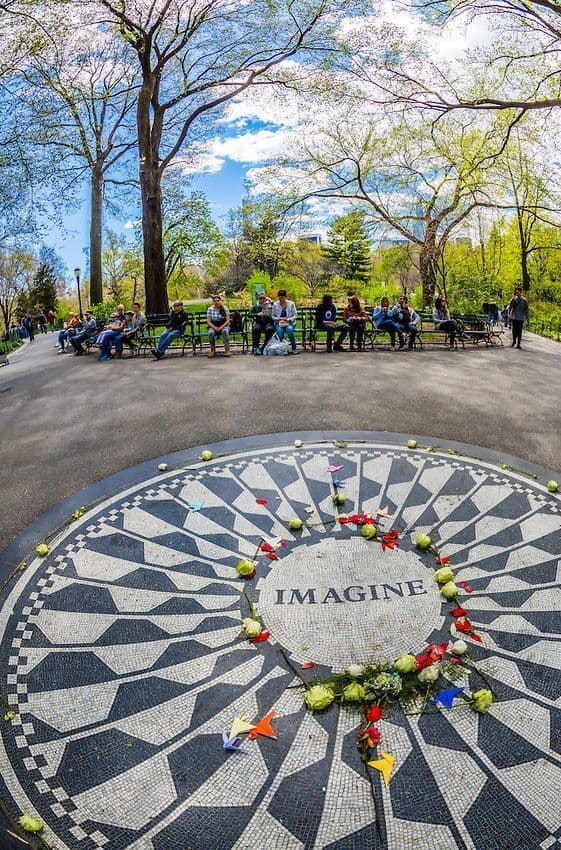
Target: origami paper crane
383 512
196 506
444 560
334 468
230 744
240 726
338 483
310 510
384 765
263 727
446 698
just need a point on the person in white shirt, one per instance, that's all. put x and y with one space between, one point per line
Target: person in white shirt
284 315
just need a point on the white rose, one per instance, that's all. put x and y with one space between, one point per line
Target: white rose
252 628
355 670
429 674
459 647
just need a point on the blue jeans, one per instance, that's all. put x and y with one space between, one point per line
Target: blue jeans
109 338
212 334
166 340
76 341
288 331
390 326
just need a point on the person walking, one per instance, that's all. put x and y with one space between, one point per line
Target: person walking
518 314
51 319
42 322
27 325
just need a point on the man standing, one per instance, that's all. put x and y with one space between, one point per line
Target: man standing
518 314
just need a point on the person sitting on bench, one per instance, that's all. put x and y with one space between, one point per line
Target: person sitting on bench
89 325
326 319
176 322
406 320
261 316
284 316
218 321
383 320
355 320
443 322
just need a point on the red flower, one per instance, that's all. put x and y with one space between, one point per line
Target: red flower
266 547
308 665
437 652
444 560
455 660
423 660
374 736
476 637
459 612
272 557
463 625
261 501
373 713
389 540
260 638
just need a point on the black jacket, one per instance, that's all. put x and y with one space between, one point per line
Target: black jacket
176 320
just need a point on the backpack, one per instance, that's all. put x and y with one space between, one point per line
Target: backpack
236 322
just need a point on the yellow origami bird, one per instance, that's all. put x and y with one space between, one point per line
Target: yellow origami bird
241 725
384 765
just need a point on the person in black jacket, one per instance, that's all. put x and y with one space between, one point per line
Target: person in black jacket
174 327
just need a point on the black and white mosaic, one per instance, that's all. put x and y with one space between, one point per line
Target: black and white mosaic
126 663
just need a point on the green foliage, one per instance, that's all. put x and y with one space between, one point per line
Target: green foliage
103 310
43 292
348 247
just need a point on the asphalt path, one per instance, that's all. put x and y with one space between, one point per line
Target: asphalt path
67 422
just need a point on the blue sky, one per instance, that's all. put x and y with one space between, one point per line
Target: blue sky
224 188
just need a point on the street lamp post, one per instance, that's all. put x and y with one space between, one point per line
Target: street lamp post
77 273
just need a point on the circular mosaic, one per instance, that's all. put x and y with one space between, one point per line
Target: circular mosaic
126 666
346 600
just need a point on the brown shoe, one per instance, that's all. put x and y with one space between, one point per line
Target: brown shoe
227 352
211 353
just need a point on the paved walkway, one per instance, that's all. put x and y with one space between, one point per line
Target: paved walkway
66 422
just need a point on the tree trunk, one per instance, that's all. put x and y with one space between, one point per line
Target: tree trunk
525 271
427 274
96 230
149 126
155 283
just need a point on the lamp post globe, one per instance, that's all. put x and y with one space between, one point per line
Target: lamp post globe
77 273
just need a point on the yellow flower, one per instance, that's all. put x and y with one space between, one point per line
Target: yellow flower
423 541
353 692
481 700
443 575
369 531
449 590
319 697
245 568
31 824
42 549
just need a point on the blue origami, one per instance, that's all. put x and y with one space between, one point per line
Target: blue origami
196 506
446 698
230 744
